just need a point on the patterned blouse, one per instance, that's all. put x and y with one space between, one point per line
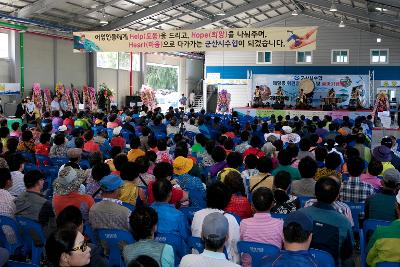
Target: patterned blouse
58 151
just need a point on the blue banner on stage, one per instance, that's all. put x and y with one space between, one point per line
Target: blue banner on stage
315 86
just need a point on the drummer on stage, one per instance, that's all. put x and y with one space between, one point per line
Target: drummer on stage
279 91
257 94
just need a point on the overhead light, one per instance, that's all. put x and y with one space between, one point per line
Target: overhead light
295 13
333 7
381 9
94 6
221 11
341 24
103 20
379 39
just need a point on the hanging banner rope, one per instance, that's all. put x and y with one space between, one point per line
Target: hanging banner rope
247 39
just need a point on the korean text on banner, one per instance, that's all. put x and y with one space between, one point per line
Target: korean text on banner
273 39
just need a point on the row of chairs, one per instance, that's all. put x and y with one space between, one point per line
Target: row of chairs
28 235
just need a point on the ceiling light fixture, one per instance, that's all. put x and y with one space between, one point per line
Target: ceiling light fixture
333 7
295 13
341 24
103 20
381 9
379 40
221 11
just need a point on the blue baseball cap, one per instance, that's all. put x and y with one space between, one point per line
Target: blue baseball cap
111 183
305 221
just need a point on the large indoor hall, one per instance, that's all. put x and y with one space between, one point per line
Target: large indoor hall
199 133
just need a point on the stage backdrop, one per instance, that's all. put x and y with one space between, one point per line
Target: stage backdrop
317 85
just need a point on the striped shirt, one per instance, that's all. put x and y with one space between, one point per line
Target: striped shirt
261 228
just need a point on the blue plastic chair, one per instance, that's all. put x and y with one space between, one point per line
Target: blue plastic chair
29 157
20 264
42 160
11 223
256 250
27 228
29 167
369 225
126 135
237 217
303 200
110 133
356 210
113 238
196 243
179 245
190 136
388 264
89 233
189 212
84 163
129 206
281 216
50 173
323 258
58 161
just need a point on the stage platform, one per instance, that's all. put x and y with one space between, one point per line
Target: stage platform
309 113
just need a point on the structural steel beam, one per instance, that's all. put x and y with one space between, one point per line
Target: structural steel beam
38 7
163 7
366 28
230 13
273 20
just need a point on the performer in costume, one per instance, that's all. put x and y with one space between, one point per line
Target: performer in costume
257 95
279 91
332 93
381 103
355 96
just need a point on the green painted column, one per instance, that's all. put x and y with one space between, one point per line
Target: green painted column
22 62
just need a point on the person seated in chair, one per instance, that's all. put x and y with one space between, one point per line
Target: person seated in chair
215 231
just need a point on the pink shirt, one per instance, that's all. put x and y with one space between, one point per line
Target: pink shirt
261 228
371 179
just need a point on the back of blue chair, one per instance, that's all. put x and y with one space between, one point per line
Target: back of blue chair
369 225
323 258
356 210
179 245
237 217
84 163
11 223
126 135
281 216
58 161
110 133
303 200
42 160
50 174
129 206
104 150
29 157
113 238
20 264
29 167
196 243
33 236
89 233
190 136
189 212
256 250
388 264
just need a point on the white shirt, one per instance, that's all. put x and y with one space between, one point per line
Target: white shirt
206 259
234 232
18 186
192 128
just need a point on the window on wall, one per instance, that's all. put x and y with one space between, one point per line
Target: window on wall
4 48
115 60
264 57
379 56
340 56
304 57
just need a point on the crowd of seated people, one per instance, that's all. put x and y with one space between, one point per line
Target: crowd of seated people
292 183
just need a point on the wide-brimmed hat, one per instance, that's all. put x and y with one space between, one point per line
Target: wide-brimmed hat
117 130
182 165
382 153
62 128
291 138
287 129
68 180
142 114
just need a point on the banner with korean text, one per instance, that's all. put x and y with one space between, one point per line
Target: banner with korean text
245 39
